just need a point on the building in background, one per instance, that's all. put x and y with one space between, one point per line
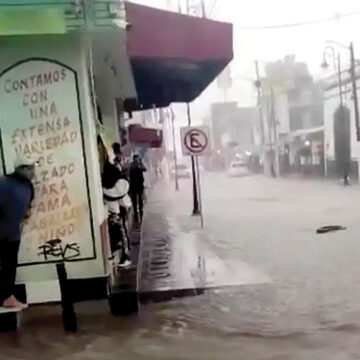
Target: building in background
292 116
231 128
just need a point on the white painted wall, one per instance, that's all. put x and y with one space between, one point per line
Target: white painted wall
72 51
331 103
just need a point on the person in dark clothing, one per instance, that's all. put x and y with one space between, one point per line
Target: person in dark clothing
115 189
118 160
136 177
119 163
111 175
16 195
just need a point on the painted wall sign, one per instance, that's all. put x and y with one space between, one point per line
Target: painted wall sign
40 116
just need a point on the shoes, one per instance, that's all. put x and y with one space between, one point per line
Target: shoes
124 263
13 303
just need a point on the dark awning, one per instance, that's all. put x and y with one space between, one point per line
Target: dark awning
174 57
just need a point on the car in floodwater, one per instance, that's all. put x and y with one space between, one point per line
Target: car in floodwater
238 168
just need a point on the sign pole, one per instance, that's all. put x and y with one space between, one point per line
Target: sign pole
174 149
195 143
199 191
196 211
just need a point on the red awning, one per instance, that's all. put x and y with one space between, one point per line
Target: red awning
148 137
174 57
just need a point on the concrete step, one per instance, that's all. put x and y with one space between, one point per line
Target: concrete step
123 296
10 319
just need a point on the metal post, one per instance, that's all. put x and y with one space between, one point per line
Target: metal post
68 313
174 150
346 179
196 210
340 79
354 90
188 7
199 190
203 9
258 86
276 139
336 59
272 132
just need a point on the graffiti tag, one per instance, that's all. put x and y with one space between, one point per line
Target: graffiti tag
56 250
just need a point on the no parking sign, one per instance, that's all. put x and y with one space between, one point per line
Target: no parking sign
195 141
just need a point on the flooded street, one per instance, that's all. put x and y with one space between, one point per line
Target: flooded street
308 309
111 112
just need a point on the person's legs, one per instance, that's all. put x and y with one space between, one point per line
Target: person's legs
123 213
141 203
114 233
125 250
118 238
134 200
346 177
9 260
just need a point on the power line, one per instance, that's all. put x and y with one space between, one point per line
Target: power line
336 17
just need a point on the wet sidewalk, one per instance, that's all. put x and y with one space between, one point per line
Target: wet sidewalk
177 257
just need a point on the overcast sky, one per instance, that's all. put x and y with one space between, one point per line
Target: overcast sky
306 42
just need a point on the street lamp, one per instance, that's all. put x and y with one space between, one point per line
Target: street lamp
329 54
329 50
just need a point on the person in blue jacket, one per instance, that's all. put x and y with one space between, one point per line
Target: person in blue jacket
16 195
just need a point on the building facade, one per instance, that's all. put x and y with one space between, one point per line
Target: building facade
333 156
59 83
231 128
292 120
69 70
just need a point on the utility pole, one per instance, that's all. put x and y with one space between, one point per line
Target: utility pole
258 87
354 89
196 209
188 7
340 79
272 132
203 10
336 59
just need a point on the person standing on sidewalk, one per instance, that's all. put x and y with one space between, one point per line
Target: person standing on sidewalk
16 195
119 164
119 159
136 175
115 189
